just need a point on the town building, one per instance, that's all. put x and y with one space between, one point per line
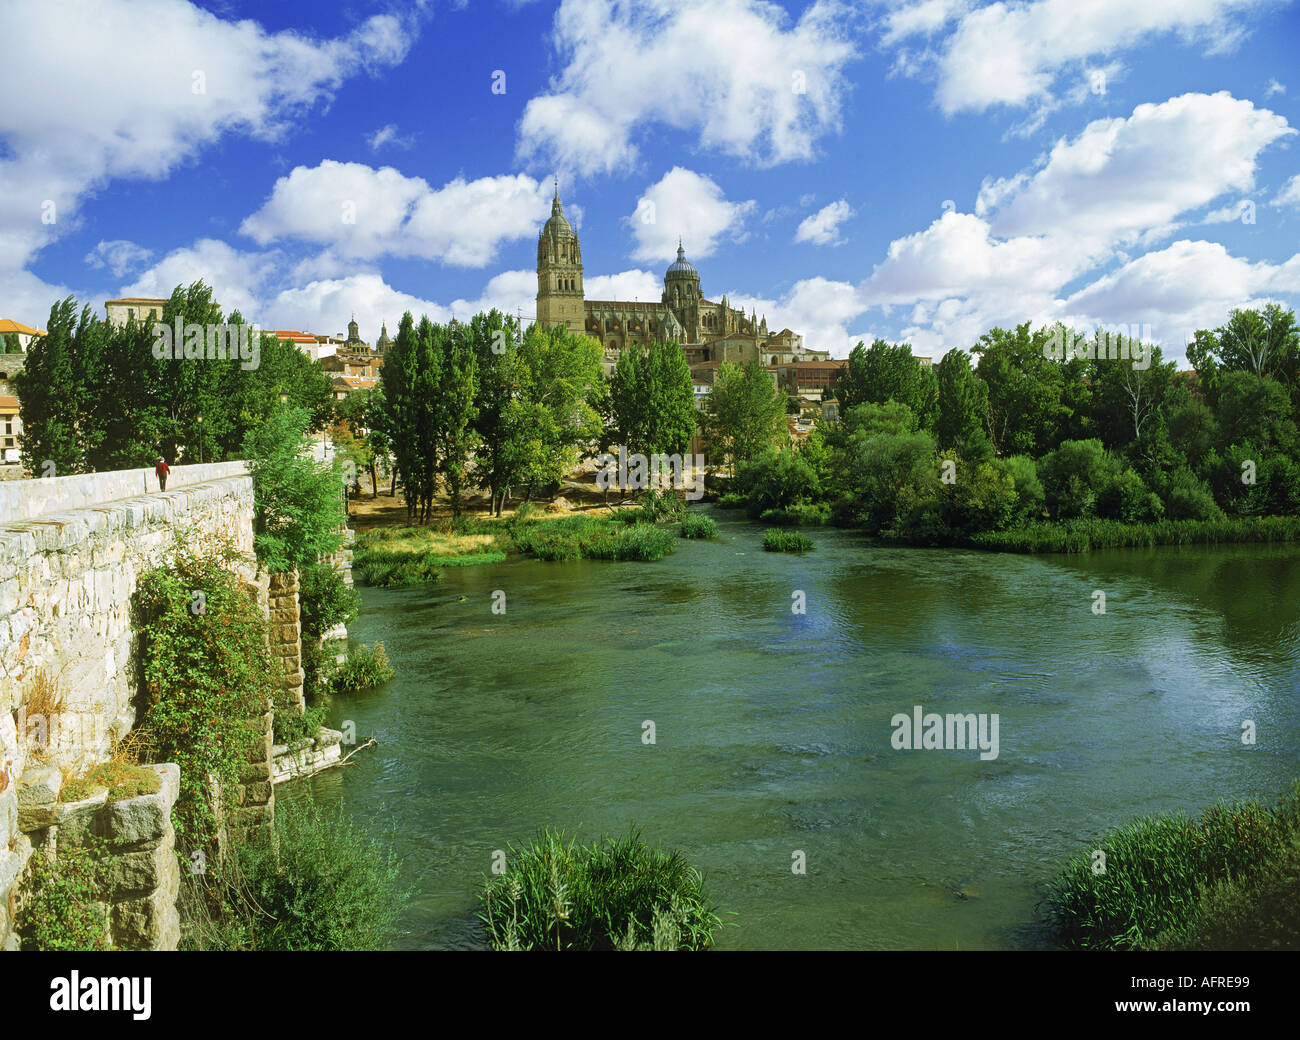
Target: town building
15 332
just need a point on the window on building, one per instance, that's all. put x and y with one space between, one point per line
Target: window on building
130 313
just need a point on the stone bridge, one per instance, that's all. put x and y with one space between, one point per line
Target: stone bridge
72 550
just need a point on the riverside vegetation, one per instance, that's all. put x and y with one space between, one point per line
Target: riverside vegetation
615 894
1226 880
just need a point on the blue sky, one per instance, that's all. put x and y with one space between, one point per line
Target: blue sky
917 171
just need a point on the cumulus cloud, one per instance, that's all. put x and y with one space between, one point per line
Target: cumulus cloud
359 211
686 204
235 276
199 78
624 286
119 256
1187 286
823 227
1120 184
736 73
1037 44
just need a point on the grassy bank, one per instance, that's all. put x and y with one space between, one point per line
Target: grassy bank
1228 879
1084 535
393 556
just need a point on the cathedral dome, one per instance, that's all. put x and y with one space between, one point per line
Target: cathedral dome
681 265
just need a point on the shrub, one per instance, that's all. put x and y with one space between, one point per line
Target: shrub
365 668
776 539
324 599
801 513
694 525
288 726
1030 497
66 908
1127 499
322 884
1189 498
1074 476
205 672
613 894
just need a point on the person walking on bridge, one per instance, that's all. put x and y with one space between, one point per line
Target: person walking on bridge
161 469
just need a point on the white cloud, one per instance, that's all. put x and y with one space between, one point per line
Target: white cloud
1121 184
686 204
1274 87
182 79
623 287
819 309
119 256
359 211
1187 286
1123 176
1016 53
387 135
823 227
732 71
235 276
1289 194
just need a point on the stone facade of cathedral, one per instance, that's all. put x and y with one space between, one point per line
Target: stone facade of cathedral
707 331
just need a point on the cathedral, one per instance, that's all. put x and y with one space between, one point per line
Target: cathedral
707 331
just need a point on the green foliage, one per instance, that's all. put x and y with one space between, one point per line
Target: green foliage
777 539
297 500
365 668
321 885
1162 872
324 599
696 525
613 894
66 905
963 401
652 400
887 372
289 725
777 478
803 513
206 673
592 538
743 414
1085 535
1074 476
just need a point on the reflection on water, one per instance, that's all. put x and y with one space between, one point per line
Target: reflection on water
773 728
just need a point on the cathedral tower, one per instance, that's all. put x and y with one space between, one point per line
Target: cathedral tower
682 294
559 273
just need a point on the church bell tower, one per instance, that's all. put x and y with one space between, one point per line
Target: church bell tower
559 273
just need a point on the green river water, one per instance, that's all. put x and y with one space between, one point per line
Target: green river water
773 729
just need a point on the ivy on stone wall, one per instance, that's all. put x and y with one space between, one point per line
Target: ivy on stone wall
206 673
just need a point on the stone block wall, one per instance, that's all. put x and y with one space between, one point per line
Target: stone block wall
143 872
286 640
67 585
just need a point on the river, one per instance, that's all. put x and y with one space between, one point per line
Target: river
773 728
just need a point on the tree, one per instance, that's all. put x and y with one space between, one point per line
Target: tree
297 507
963 400
54 394
1025 410
493 338
652 399
457 386
557 376
743 414
888 372
411 379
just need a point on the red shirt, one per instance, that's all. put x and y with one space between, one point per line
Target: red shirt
161 469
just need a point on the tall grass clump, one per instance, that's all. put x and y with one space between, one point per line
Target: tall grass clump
1084 535
1158 870
778 539
616 894
322 884
695 525
592 538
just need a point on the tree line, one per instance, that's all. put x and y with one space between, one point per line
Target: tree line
1007 434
